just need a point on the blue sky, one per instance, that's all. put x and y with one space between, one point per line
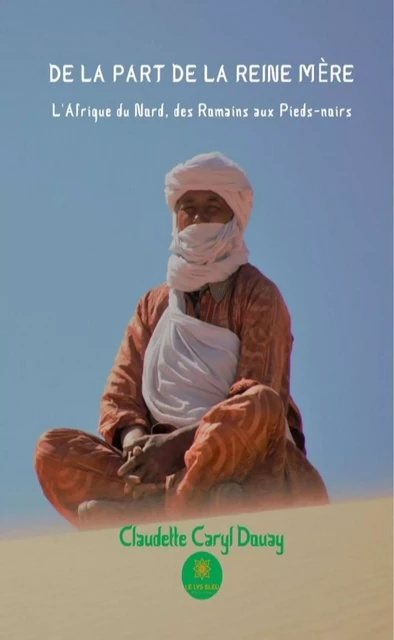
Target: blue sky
86 230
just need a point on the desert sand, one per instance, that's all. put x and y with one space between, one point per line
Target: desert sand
333 582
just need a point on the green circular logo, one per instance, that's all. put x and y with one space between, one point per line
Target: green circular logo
202 575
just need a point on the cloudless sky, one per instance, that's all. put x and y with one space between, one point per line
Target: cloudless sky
85 230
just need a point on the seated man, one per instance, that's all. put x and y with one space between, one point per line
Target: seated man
196 416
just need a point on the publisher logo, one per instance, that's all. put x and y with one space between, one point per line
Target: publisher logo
202 575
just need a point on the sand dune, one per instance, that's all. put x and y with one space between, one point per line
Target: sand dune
333 582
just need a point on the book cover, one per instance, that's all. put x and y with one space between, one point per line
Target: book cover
197 340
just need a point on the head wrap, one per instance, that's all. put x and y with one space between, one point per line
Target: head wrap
205 253
212 172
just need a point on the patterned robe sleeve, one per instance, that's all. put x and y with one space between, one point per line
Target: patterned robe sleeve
266 343
122 404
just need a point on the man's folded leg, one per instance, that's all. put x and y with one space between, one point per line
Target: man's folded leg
240 449
78 474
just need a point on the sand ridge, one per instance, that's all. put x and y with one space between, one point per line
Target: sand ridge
333 582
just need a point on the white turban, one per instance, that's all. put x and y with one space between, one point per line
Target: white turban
212 172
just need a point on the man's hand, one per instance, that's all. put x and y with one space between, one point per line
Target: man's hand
160 456
128 436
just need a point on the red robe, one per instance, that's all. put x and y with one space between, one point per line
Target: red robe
242 439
